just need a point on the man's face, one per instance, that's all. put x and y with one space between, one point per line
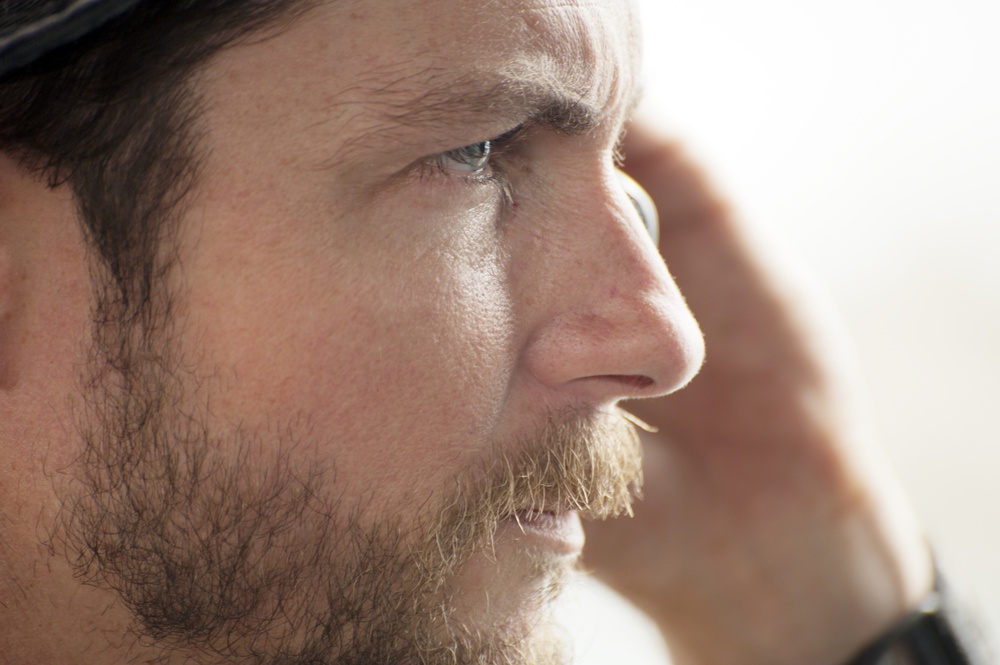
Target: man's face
393 360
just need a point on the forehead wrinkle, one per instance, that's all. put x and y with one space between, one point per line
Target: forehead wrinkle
379 105
568 64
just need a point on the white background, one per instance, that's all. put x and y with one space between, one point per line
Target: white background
867 134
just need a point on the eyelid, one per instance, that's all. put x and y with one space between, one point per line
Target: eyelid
510 136
499 142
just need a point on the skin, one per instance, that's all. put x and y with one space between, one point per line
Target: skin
348 312
343 303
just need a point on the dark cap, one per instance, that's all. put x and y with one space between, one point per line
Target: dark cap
31 28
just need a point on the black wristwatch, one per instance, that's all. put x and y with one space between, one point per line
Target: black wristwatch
937 633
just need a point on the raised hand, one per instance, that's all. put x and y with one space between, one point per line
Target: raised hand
771 532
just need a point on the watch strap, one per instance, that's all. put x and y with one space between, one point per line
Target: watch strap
939 632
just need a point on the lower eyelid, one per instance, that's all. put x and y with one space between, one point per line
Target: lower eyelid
446 176
493 178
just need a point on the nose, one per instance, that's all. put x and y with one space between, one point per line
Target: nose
608 321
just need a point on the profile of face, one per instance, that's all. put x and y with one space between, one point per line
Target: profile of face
407 292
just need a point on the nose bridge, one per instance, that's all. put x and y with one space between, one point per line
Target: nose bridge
607 233
612 323
622 277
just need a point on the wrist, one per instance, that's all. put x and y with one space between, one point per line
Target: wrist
939 632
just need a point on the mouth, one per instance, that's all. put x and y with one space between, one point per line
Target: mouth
558 532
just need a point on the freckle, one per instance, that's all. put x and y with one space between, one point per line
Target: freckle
357 16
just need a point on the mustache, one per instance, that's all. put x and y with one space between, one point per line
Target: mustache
592 466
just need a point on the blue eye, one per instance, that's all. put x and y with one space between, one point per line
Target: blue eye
471 159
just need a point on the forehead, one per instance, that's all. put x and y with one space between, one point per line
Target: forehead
584 46
385 56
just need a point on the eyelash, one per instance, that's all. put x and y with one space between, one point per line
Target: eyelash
492 173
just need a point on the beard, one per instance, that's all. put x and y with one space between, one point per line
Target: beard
227 546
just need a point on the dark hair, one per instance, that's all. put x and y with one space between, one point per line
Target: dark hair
114 117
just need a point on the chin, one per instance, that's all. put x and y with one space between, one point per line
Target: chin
502 600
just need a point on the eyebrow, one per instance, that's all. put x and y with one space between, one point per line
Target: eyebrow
516 101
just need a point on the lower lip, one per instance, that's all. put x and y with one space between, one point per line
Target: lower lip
560 533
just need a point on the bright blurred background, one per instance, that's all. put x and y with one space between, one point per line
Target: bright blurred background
867 134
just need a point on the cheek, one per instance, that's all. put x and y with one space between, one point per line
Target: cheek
393 365
421 369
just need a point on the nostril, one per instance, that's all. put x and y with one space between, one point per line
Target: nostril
634 381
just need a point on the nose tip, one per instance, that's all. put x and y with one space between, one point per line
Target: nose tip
618 326
636 345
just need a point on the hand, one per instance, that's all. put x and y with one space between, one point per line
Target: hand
771 532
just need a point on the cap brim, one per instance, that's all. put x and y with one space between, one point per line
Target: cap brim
33 37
